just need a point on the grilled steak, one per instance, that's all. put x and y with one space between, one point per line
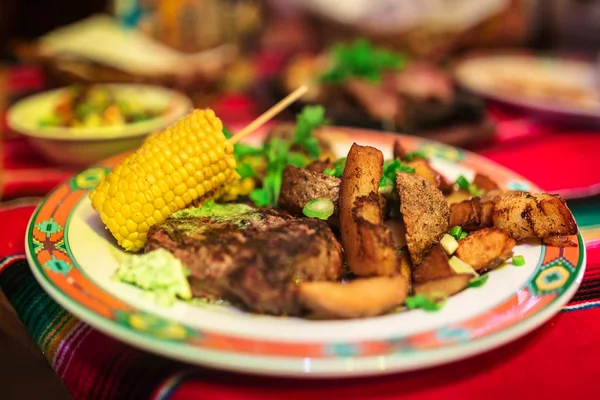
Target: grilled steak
254 259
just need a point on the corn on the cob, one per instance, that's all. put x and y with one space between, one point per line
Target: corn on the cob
185 164
240 188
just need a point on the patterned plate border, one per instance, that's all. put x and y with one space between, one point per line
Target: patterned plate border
554 281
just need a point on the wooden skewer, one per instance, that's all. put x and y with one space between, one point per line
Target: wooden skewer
269 114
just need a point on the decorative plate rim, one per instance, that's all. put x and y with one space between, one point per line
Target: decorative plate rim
56 269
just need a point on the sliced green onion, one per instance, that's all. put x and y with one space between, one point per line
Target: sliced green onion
456 231
518 261
462 182
478 282
319 208
425 303
474 190
462 235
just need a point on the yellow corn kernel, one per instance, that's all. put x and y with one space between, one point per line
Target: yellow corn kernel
178 167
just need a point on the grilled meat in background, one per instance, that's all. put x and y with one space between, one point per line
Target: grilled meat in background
255 259
420 100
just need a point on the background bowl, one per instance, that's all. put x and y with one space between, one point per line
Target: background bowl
82 146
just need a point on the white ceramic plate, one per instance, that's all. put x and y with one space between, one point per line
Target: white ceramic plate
73 257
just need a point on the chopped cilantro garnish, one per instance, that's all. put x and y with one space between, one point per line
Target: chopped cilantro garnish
390 168
338 168
245 170
478 282
310 118
360 59
427 304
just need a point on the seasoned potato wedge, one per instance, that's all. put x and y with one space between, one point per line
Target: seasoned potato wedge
425 171
434 266
456 196
399 151
486 248
396 227
444 287
560 241
425 214
485 183
368 244
299 186
472 214
524 215
364 297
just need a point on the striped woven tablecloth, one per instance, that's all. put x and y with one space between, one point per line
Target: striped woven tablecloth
94 366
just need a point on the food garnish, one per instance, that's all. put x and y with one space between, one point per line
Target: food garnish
478 282
425 303
158 272
360 60
319 208
518 261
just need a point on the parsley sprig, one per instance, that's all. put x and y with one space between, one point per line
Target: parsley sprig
390 167
360 59
278 154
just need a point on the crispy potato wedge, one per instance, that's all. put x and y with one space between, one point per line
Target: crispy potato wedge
472 214
485 183
434 266
560 241
399 151
405 268
396 227
524 215
319 165
456 196
425 214
299 186
485 249
425 171
444 287
368 244
364 297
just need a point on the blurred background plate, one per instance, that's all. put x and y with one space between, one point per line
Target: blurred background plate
87 144
553 88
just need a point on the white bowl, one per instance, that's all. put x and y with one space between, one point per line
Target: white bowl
83 146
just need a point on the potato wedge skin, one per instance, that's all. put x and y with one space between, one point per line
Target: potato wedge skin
485 183
425 213
444 287
425 171
560 241
299 186
486 248
368 244
524 215
434 266
399 151
363 297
